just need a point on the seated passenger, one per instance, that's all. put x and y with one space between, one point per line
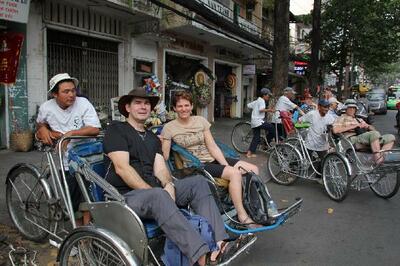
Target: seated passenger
136 168
284 104
316 139
307 106
360 133
259 109
333 107
193 133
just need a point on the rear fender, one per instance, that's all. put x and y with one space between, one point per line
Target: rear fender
43 182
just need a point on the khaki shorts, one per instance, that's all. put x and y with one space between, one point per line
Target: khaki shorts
370 136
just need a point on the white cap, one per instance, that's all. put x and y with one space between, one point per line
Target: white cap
289 89
333 100
60 77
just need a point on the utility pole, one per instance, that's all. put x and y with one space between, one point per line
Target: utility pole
315 46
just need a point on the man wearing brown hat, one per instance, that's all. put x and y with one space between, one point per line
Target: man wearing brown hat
138 170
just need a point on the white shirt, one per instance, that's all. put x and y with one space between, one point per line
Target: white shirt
78 115
257 117
283 104
316 137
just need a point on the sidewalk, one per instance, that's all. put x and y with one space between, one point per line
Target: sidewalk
221 130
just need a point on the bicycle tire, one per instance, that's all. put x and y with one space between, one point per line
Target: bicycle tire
27 202
88 247
284 164
241 136
336 180
384 187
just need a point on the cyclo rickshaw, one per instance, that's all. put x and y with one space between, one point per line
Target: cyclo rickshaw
39 204
344 166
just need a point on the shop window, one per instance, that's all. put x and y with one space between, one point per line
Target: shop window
249 14
142 70
143 67
180 71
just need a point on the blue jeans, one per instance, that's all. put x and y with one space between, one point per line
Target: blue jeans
270 132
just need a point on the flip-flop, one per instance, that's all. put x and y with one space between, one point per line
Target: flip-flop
228 249
251 155
252 225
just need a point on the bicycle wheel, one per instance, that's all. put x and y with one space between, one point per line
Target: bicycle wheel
89 247
384 184
241 136
335 176
284 164
27 202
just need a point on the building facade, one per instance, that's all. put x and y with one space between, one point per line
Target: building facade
112 45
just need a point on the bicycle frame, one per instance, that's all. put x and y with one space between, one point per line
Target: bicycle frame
57 189
305 154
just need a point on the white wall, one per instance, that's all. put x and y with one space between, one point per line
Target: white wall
36 53
145 50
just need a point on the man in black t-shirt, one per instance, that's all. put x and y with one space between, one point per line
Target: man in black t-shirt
137 169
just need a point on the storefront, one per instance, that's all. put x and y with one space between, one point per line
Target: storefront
93 61
13 80
227 92
187 72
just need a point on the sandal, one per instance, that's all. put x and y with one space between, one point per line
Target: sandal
227 248
251 225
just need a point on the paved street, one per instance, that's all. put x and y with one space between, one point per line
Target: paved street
362 230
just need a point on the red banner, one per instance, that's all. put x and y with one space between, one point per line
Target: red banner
10 51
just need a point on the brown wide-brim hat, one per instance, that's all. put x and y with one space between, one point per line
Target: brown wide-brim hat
138 93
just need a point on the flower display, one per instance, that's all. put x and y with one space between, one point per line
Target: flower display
202 95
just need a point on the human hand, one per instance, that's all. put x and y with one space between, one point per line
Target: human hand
65 143
170 188
363 124
46 136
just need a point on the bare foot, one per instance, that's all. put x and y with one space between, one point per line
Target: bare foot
250 155
379 158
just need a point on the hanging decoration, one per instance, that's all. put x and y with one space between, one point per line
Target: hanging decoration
199 78
201 89
152 86
10 50
231 81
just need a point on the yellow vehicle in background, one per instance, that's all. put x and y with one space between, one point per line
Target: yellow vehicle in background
361 89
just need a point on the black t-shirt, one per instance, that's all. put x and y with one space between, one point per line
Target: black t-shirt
142 150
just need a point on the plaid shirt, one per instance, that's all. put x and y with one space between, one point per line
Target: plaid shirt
345 120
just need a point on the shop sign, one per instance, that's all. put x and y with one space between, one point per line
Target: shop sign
249 69
300 67
10 50
14 10
189 45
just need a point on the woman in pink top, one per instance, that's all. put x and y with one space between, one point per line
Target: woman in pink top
193 133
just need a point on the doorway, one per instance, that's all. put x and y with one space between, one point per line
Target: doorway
223 91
